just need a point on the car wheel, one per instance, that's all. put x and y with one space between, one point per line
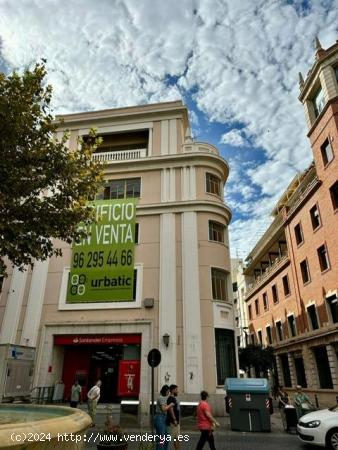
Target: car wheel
332 439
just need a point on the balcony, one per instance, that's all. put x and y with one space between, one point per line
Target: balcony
119 155
202 147
277 265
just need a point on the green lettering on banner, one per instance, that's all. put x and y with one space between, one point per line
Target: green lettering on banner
102 268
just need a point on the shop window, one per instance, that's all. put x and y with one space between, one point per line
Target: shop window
260 338
312 316
292 325
268 335
304 268
265 301
250 312
319 101
225 355
323 367
216 231
323 258
327 153
300 371
285 369
279 329
257 307
274 293
219 284
315 217
286 285
299 234
126 188
334 195
213 184
332 302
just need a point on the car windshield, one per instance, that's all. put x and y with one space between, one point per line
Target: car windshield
334 408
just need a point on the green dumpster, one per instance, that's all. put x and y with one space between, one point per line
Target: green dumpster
248 404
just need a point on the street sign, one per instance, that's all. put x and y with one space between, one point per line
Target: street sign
154 357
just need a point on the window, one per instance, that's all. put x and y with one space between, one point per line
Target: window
127 188
279 329
318 101
304 268
300 371
323 258
274 293
286 285
299 234
216 231
315 217
212 184
260 339
336 72
268 335
252 339
312 316
250 312
323 367
292 325
334 195
265 301
257 307
137 227
284 360
219 284
327 153
332 303
234 287
1 282
225 355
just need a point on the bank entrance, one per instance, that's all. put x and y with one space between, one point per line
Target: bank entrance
114 359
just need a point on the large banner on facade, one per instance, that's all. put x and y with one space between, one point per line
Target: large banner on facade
102 268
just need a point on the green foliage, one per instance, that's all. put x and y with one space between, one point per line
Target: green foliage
256 356
44 186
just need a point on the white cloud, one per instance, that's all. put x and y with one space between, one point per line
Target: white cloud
235 138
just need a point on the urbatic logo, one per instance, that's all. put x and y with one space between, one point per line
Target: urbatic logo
78 284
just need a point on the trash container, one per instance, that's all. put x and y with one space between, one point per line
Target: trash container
248 404
290 419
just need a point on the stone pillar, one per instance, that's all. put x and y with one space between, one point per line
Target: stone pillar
332 357
292 370
310 368
279 371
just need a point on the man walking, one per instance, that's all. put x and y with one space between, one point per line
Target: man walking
206 423
173 415
93 398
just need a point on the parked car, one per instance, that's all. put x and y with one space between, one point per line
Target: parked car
320 428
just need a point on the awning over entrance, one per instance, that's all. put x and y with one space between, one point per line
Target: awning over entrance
97 339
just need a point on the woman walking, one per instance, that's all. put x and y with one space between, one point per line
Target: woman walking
162 439
206 423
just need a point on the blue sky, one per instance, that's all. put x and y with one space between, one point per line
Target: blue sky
234 63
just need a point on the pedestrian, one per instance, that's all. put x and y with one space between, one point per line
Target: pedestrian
283 398
162 438
302 402
93 398
75 396
173 415
206 423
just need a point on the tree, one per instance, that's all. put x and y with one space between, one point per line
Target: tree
261 359
44 187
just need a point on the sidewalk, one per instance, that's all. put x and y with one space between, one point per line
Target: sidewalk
130 426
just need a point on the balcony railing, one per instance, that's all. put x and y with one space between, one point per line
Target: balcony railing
120 155
202 147
267 274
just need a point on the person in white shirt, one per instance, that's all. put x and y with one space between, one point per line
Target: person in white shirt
93 397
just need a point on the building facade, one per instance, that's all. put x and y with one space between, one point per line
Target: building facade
182 300
292 302
240 284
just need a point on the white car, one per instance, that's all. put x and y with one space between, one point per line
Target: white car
320 428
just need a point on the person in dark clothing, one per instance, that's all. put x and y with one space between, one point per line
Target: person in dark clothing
173 415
